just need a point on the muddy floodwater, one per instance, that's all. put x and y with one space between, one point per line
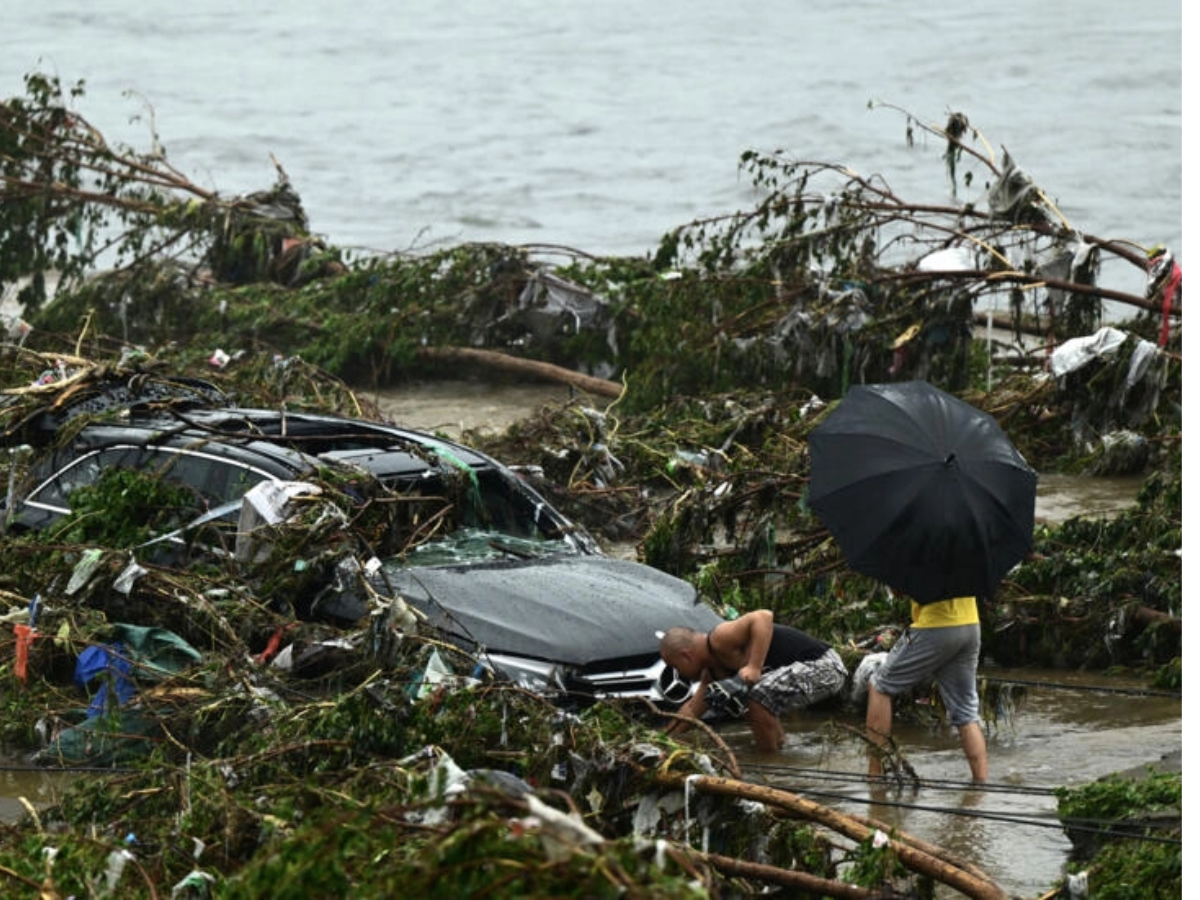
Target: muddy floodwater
1066 728
457 407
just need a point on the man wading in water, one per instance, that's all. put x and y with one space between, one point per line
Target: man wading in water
753 663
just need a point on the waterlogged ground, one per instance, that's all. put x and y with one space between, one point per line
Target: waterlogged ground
1069 728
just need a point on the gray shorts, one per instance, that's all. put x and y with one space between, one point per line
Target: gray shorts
948 656
801 684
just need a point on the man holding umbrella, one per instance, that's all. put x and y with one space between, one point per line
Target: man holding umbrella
942 645
926 493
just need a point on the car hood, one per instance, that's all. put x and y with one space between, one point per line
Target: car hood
568 609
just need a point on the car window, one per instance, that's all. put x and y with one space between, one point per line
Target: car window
497 504
216 480
77 473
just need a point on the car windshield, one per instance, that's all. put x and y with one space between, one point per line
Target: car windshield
470 545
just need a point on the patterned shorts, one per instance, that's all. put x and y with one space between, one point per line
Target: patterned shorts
801 684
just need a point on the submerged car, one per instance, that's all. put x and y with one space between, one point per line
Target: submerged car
511 579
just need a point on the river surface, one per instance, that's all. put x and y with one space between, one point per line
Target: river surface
601 126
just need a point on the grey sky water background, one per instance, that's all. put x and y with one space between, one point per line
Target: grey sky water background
601 126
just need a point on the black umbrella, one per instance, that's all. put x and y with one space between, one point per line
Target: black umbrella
921 490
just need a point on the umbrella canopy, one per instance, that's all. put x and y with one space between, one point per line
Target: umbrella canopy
921 490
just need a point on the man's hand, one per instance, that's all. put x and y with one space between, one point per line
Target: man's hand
726 699
750 673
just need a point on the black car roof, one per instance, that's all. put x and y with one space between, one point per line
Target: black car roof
346 433
290 443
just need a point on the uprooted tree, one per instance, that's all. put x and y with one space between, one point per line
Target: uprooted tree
830 278
718 350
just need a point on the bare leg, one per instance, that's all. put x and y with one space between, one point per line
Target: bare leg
768 732
879 724
975 748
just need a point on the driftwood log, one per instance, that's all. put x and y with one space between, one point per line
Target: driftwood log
1148 616
917 855
528 368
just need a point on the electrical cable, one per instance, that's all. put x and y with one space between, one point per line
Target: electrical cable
1092 688
932 783
1106 827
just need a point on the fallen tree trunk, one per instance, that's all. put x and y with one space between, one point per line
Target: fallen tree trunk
1148 616
528 368
914 853
802 881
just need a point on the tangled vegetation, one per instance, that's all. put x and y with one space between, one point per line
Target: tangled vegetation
378 764
1110 821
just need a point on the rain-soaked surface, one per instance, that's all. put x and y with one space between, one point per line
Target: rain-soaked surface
1070 728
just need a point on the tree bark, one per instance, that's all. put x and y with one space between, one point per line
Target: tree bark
916 854
802 881
1149 616
529 368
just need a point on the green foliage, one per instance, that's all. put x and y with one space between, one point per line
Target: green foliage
39 231
874 864
67 194
1105 819
803 848
20 707
1120 798
1170 676
1136 870
124 508
1089 578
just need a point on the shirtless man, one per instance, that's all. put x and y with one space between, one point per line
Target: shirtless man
785 668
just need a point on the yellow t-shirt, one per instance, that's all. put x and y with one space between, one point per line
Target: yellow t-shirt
944 613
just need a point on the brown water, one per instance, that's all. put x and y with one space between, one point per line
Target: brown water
1071 729
1078 729
455 407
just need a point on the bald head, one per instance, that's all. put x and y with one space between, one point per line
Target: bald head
683 649
676 640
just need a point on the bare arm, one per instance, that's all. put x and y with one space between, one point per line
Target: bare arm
693 708
746 638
